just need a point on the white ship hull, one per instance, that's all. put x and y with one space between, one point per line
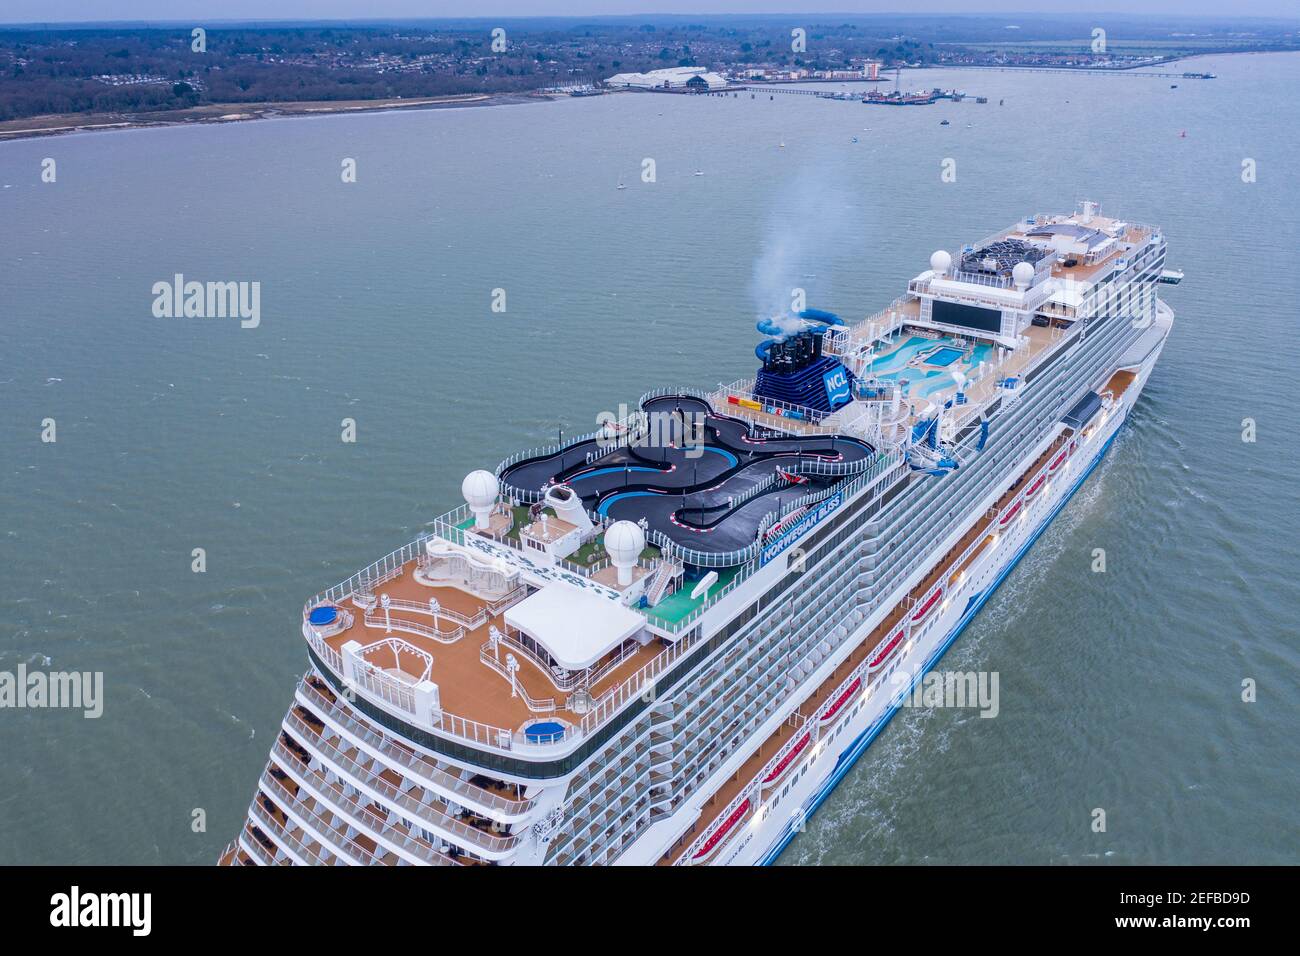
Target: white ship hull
768 834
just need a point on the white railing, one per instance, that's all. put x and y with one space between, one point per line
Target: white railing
416 607
310 854
435 816
388 689
397 647
377 620
361 817
332 658
418 767
612 701
291 806
382 570
544 706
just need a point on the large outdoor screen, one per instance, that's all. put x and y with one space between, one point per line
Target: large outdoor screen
969 316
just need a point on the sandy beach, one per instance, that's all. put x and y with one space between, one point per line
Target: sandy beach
60 123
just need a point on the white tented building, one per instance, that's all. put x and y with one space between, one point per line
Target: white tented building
672 78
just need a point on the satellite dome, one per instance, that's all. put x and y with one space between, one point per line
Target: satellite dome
624 541
1022 275
940 261
479 489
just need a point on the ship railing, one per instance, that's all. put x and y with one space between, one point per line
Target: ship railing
377 620
639 684
683 390
362 817
388 689
544 705
432 815
228 851
350 851
254 847
587 677
464 621
331 657
702 559
809 418
418 767
1073 331
312 853
401 697
386 568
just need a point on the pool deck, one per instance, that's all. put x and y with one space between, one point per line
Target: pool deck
1039 340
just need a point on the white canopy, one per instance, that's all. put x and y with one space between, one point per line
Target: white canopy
577 626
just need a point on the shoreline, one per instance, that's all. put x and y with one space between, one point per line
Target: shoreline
37 127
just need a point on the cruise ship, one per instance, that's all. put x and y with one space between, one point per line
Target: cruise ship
666 641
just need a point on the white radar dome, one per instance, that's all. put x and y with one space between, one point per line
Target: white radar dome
1022 275
480 491
940 261
479 488
624 541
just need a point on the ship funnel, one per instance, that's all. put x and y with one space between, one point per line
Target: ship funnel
480 491
568 506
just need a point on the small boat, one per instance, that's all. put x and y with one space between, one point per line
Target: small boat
944 123
1183 135
621 184
781 145
699 172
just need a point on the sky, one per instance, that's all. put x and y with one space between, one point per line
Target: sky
49 11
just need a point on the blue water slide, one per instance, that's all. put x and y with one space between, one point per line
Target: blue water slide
762 348
984 434
924 432
820 315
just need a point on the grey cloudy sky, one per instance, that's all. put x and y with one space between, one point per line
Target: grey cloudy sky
45 11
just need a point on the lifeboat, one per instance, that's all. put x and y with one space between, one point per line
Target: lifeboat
928 606
1033 489
721 832
1060 459
788 758
1010 513
841 700
886 651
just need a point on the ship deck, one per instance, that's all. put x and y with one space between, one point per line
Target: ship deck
468 687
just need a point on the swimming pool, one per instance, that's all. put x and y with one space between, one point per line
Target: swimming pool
323 614
935 372
944 356
544 732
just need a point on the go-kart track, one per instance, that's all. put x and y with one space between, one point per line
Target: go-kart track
687 488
